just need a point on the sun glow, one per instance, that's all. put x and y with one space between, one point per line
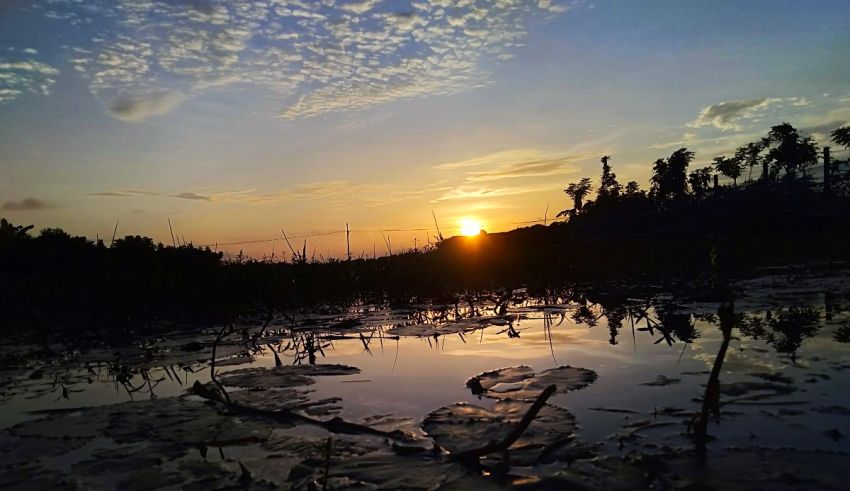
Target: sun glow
470 227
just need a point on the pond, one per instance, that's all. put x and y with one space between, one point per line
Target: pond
632 366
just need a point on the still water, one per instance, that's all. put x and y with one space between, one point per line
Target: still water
783 380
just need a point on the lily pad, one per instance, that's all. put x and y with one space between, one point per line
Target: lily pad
83 424
282 377
174 419
16 450
523 383
183 421
463 426
460 326
290 399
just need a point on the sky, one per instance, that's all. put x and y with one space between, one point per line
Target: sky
234 120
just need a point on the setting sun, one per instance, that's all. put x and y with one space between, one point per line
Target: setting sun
470 227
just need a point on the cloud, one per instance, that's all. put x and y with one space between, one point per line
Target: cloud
129 193
344 192
358 6
518 163
306 191
821 122
337 191
497 158
138 108
726 115
826 127
528 168
111 194
298 192
25 75
192 196
815 117
311 57
27 204
467 192
322 189
686 139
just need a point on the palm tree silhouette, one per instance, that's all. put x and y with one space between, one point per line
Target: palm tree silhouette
841 136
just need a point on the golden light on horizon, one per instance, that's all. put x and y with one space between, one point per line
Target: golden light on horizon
470 227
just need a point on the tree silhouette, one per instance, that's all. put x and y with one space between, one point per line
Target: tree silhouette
841 136
9 232
729 167
632 189
577 191
700 181
658 179
789 152
669 177
608 185
750 155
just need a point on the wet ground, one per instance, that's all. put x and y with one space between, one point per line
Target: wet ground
631 365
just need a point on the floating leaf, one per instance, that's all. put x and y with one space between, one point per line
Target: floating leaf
463 426
460 326
523 383
290 399
282 377
172 419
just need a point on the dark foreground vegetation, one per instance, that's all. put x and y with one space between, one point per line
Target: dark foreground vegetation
687 225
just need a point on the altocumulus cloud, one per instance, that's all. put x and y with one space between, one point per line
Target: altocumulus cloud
143 57
27 204
21 74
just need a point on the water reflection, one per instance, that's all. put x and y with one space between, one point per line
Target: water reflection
766 370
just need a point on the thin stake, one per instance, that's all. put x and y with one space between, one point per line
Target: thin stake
114 231
288 243
347 241
389 244
439 234
173 243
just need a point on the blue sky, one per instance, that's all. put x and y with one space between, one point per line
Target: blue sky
237 118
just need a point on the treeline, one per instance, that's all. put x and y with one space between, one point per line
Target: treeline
684 227
688 225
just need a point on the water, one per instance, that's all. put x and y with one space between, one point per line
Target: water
784 378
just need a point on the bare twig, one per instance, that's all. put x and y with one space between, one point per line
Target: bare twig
502 446
225 331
